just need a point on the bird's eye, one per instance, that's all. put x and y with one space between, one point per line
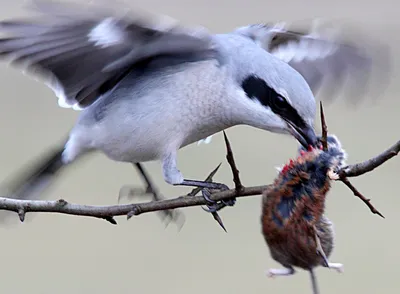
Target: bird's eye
280 102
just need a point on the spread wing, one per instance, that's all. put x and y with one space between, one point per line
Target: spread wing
328 57
82 52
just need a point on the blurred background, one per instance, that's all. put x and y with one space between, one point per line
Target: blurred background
52 253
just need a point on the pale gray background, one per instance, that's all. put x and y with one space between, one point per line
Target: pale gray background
67 254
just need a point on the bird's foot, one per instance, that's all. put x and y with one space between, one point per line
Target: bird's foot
336 266
129 192
212 206
286 271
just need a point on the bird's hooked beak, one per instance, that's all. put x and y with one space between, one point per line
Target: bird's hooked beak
305 136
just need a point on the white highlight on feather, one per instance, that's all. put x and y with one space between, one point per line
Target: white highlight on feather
77 107
106 33
205 141
58 90
52 83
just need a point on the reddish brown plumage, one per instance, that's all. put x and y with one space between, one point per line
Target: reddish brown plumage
294 206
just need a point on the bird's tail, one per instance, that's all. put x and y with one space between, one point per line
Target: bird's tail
36 177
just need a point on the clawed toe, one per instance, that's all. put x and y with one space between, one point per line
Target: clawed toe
129 192
214 206
229 202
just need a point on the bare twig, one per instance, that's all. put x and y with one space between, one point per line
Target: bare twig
359 195
369 165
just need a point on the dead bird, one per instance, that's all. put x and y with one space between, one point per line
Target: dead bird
294 226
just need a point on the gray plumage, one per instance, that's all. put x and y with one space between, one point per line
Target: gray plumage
145 92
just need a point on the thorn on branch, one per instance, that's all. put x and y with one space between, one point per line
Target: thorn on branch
208 179
324 137
61 202
215 214
231 160
111 220
219 221
134 212
21 214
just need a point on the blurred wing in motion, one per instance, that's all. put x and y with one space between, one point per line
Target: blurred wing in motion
329 58
82 52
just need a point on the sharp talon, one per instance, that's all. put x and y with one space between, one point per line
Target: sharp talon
210 209
206 194
229 202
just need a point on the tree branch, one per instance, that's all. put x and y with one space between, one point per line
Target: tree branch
108 212
21 207
369 165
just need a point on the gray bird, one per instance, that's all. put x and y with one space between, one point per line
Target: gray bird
146 90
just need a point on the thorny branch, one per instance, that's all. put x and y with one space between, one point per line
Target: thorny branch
21 207
360 168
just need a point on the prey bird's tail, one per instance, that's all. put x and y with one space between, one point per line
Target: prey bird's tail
35 177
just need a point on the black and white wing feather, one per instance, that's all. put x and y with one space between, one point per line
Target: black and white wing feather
327 57
82 52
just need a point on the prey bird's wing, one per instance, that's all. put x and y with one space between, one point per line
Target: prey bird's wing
330 58
83 51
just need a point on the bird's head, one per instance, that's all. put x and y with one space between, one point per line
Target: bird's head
283 105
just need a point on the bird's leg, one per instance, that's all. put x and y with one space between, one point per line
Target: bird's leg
130 192
286 271
320 250
150 189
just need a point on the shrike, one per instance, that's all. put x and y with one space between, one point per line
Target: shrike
146 90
